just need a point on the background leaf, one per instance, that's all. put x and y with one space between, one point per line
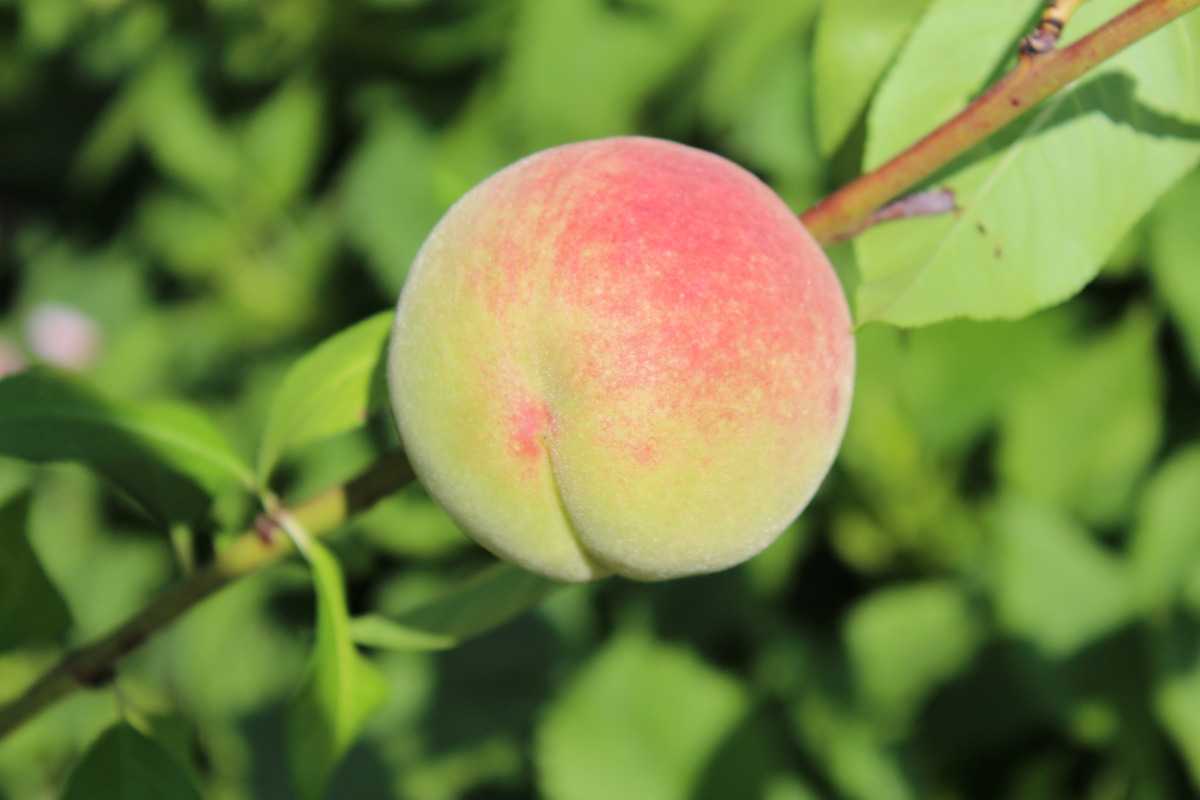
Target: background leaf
856 41
125 765
169 459
1054 587
327 392
631 723
493 597
32 609
341 691
1083 435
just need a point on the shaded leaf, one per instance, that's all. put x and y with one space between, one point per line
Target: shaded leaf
856 41
640 720
493 597
123 764
1044 202
31 608
327 392
342 688
168 458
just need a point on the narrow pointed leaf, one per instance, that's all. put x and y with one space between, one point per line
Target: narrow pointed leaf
493 597
168 458
341 690
326 392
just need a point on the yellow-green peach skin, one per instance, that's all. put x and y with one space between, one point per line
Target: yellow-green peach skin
622 356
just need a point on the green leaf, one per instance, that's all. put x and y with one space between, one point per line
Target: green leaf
856 41
1044 202
903 642
327 392
495 596
1081 437
183 136
282 140
642 719
168 458
1052 585
1174 249
388 202
1176 692
125 765
342 688
32 609
1166 543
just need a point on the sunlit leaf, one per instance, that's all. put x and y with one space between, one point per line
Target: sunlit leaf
168 458
490 599
1044 202
326 392
126 765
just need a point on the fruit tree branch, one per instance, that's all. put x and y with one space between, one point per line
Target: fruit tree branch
262 545
1037 76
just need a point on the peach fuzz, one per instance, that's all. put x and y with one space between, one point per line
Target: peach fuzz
622 356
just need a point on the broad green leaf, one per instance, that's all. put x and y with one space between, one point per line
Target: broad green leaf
341 691
493 597
642 719
904 642
388 204
327 392
282 140
1083 435
856 41
168 458
1175 261
31 608
126 765
1166 544
1052 584
1044 202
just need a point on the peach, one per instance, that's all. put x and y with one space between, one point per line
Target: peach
622 356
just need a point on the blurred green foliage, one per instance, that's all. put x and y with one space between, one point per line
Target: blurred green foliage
996 594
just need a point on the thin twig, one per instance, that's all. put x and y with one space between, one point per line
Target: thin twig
844 212
258 547
1050 29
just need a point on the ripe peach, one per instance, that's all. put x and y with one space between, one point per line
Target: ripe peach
623 355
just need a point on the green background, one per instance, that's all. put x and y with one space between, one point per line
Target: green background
996 593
